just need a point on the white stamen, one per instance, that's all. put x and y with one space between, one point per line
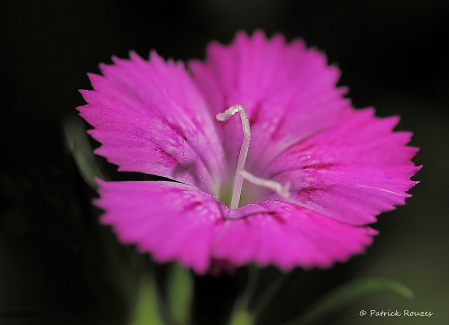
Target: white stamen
238 179
282 190
240 173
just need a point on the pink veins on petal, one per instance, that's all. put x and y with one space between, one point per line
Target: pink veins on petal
341 166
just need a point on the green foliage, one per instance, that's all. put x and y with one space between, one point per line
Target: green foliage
346 294
180 290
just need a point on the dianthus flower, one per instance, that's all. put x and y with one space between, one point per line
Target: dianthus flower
293 182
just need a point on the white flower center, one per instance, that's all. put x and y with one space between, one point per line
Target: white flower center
240 173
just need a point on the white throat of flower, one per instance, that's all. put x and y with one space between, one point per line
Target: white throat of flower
240 173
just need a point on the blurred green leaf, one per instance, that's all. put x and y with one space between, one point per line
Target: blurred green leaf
180 294
147 311
241 317
82 152
347 293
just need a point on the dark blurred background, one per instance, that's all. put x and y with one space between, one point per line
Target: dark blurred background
57 266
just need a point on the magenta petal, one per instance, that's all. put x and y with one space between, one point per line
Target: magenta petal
150 118
172 221
287 236
350 172
287 90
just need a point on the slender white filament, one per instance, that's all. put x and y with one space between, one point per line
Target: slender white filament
282 190
238 178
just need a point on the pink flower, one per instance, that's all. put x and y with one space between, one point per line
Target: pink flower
317 172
